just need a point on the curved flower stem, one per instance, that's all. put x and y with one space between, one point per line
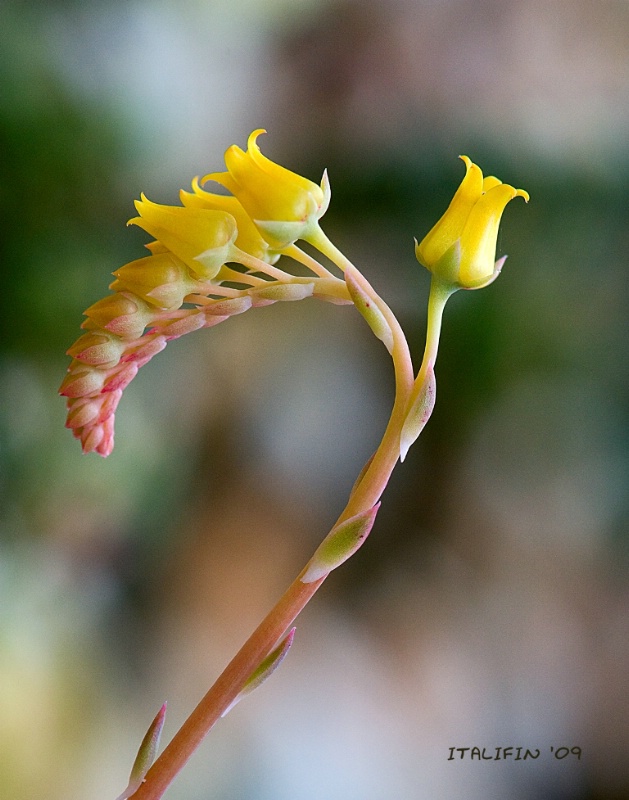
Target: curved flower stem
365 494
256 264
422 399
330 285
440 292
229 274
401 356
372 483
297 254
226 689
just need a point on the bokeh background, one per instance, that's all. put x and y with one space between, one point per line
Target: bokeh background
490 606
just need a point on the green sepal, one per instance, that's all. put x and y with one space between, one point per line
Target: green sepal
146 754
265 670
448 267
281 234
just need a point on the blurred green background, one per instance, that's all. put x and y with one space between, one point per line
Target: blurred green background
490 607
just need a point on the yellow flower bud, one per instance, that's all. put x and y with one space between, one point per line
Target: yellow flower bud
461 248
161 280
200 237
283 205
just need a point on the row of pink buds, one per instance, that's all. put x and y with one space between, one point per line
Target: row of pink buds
107 358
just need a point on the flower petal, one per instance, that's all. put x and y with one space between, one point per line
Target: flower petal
448 229
479 237
189 233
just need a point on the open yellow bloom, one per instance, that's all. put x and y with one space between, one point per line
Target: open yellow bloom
461 248
202 238
283 205
249 238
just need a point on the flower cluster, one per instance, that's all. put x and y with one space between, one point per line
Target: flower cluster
186 282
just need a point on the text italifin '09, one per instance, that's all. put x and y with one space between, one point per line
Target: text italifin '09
509 753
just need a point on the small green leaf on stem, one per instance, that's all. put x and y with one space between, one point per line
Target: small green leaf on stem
341 543
362 474
265 670
370 311
421 405
146 754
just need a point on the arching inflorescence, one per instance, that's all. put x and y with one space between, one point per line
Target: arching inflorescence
208 261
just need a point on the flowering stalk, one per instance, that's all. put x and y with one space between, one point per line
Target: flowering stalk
188 282
361 509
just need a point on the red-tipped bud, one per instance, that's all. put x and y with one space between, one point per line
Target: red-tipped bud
122 314
145 351
106 444
191 322
121 378
82 381
97 349
82 412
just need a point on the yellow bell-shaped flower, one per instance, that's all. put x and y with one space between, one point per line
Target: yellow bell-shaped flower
202 238
283 205
461 248
249 238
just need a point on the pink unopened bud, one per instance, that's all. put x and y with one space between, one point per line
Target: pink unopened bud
82 411
97 349
233 305
109 402
121 378
121 313
145 351
280 292
91 438
106 444
82 381
191 322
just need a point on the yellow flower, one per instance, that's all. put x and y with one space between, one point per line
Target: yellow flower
461 248
248 238
283 205
202 238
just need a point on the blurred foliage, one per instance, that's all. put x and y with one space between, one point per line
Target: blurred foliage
61 155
